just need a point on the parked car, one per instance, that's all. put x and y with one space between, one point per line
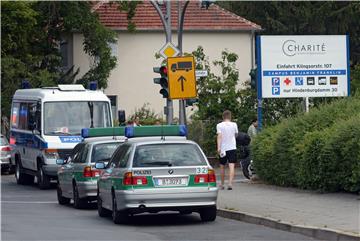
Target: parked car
77 176
157 173
5 157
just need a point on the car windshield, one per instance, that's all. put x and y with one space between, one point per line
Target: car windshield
3 141
69 117
154 155
103 152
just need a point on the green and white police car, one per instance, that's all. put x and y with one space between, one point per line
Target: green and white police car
157 169
77 176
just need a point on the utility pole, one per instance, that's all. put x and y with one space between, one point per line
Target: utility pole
166 21
181 17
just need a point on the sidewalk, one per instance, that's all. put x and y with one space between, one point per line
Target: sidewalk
333 211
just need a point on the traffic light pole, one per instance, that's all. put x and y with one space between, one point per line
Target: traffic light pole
166 21
181 17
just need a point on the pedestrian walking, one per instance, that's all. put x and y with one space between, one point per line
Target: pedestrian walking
252 131
226 147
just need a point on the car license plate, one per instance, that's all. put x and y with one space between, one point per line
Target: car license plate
171 181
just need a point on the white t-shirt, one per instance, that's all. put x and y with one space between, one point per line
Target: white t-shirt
228 131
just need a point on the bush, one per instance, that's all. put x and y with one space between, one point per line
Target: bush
318 150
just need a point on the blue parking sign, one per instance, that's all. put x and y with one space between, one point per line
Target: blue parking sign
275 90
275 81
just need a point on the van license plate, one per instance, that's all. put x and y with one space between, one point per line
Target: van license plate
173 181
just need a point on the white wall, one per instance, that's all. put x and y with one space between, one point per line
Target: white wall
132 79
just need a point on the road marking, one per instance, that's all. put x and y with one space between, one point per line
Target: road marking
30 202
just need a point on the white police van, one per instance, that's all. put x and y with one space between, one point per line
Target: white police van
46 124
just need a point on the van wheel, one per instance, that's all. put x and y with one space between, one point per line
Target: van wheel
79 203
61 199
103 212
208 214
22 178
43 180
118 217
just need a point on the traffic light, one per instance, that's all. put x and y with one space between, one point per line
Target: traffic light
191 102
163 80
253 78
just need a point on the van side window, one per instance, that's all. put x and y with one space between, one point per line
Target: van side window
15 115
24 116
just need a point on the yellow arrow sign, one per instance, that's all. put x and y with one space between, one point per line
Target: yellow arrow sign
181 76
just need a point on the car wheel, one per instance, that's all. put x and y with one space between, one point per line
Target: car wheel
208 214
103 212
79 203
22 178
61 199
117 216
44 181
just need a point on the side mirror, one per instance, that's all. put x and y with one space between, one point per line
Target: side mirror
100 165
121 116
60 161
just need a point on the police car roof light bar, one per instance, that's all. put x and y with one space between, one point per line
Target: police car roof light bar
105 131
163 130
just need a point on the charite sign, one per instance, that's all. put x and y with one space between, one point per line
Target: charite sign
303 66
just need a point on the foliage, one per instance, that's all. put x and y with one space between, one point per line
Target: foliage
32 33
319 150
146 115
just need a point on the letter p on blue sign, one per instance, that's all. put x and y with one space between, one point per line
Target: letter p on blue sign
275 90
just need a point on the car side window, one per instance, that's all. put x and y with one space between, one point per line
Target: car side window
77 153
125 158
118 155
84 153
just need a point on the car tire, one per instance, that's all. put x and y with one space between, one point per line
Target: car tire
43 180
103 212
118 217
79 203
22 178
61 199
208 214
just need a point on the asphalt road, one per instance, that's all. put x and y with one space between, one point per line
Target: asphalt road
28 213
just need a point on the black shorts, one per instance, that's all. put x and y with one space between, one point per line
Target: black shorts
229 157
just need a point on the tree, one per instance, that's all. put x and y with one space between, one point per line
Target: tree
32 33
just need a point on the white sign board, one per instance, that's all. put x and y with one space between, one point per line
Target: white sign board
201 73
303 66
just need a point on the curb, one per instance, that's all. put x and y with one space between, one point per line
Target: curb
315 232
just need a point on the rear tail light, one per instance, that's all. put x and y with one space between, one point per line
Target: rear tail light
206 178
12 140
6 149
129 179
89 172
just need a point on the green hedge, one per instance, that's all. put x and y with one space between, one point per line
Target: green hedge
317 150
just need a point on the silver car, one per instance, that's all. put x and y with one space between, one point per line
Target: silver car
77 176
5 155
152 174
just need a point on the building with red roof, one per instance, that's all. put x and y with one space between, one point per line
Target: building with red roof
131 82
